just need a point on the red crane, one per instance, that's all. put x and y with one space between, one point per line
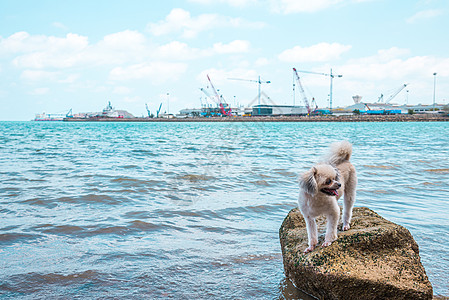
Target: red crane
219 100
303 93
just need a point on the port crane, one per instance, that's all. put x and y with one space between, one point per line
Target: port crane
148 111
332 76
207 111
220 101
158 111
381 98
303 93
258 81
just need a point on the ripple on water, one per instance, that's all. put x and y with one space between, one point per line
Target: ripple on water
11 238
175 210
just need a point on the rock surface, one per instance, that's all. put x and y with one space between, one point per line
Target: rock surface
375 259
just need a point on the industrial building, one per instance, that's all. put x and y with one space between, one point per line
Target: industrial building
279 110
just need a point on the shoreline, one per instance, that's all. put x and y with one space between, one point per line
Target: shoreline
344 118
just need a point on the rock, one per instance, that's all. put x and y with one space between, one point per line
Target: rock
375 259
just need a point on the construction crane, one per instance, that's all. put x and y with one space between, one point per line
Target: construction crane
332 76
207 111
258 81
220 100
303 93
380 99
158 111
148 111
394 94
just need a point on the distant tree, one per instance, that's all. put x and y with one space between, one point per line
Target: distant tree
411 112
356 112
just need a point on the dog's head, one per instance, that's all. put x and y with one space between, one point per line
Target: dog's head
321 178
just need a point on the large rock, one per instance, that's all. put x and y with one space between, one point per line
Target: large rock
375 259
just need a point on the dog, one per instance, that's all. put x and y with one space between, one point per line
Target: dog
321 187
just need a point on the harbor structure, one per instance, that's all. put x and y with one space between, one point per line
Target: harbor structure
107 112
49 117
53 116
387 108
279 110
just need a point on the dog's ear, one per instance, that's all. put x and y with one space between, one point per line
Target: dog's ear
308 182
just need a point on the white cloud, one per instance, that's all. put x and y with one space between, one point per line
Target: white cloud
234 3
23 42
373 69
49 76
40 91
71 78
45 51
118 48
124 40
38 75
59 25
135 99
39 51
317 53
299 6
307 6
178 51
370 76
180 21
122 48
260 62
129 55
425 14
155 72
121 90
389 54
237 46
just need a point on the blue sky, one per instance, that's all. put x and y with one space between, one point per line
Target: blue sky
61 55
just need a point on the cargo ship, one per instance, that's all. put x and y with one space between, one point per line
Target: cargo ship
52 117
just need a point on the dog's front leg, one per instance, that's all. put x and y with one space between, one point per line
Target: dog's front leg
312 233
331 226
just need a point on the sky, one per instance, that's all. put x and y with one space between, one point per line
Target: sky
80 54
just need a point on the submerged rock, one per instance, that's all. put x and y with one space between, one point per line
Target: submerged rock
375 259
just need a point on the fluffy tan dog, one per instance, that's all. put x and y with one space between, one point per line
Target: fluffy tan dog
321 187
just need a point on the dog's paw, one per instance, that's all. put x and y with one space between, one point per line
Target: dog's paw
346 227
326 244
309 249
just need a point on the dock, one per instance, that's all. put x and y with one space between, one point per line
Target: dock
326 118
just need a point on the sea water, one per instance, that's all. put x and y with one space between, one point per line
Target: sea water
192 210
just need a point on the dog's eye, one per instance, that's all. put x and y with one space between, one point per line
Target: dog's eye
328 181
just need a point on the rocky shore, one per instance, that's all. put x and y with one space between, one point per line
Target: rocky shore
331 118
375 259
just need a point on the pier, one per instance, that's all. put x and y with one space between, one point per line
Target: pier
326 118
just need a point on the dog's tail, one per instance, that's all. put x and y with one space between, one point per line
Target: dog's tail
340 152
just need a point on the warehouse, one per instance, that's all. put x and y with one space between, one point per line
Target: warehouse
279 110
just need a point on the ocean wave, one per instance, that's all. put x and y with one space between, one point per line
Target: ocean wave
383 167
171 210
35 282
438 171
16 237
195 177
